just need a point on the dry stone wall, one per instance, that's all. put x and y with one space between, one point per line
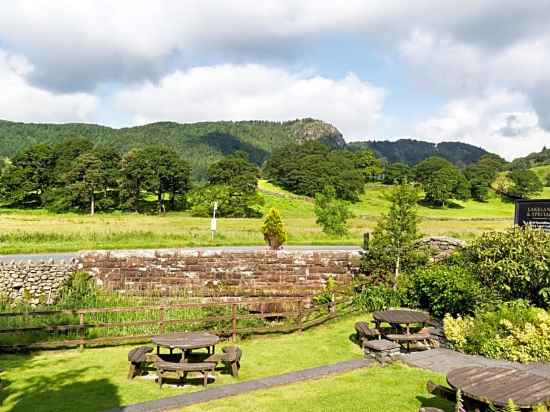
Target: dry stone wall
221 273
34 281
198 272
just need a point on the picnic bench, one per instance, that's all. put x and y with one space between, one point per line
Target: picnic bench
481 386
398 317
182 369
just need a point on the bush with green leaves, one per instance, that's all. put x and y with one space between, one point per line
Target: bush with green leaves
377 297
332 213
445 288
515 264
273 229
512 331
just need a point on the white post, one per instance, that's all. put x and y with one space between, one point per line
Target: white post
213 221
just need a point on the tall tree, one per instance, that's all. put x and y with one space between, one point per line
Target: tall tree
159 170
29 175
392 245
87 176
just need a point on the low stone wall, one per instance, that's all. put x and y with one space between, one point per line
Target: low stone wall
442 245
34 281
200 273
221 273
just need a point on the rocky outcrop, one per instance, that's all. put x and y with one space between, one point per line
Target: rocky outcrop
310 129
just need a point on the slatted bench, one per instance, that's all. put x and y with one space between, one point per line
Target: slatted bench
183 368
407 338
364 333
138 357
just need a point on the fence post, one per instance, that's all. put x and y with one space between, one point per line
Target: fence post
300 316
161 319
234 322
82 330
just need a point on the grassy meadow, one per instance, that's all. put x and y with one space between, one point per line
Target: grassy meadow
34 231
95 379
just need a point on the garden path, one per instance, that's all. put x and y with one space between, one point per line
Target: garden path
244 387
444 360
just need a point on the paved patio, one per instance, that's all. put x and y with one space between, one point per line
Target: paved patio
444 360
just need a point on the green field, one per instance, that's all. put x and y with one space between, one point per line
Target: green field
95 379
34 231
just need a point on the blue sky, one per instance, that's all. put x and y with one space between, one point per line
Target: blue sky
472 71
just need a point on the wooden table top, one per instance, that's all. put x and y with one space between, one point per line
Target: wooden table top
401 316
499 385
186 340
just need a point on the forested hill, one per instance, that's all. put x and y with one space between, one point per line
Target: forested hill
200 143
534 159
414 151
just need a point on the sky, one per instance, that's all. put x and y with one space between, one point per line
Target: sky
476 71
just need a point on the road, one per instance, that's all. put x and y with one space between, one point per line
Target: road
37 257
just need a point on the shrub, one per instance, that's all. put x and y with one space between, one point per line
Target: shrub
515 264
445 288
371 298
332 213
273 229
514 331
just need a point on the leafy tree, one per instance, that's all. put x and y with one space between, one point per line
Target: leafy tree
332 213
233 184
308 168
426 168
157 170
86 177
236 171
398 173
368 164
525 183
479 190
392 245
28 176
231 203
65 154
132 180
273 229
441 181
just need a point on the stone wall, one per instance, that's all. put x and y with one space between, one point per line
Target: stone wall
34 281
442 245
221 273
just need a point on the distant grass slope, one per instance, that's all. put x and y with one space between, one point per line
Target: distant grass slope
542 172
374 202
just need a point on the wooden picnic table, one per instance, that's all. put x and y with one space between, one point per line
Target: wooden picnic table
499 385
186 341
400 317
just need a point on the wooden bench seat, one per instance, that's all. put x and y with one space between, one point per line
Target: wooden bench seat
183 368
407 338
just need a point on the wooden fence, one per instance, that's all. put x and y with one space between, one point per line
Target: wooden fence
293 310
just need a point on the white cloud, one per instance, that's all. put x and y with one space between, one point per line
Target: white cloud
23 102
236 92
502 122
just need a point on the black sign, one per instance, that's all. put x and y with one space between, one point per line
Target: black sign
535 213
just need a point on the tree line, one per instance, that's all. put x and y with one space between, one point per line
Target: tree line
77 175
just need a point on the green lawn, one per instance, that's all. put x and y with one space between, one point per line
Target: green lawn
95 379
395 388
